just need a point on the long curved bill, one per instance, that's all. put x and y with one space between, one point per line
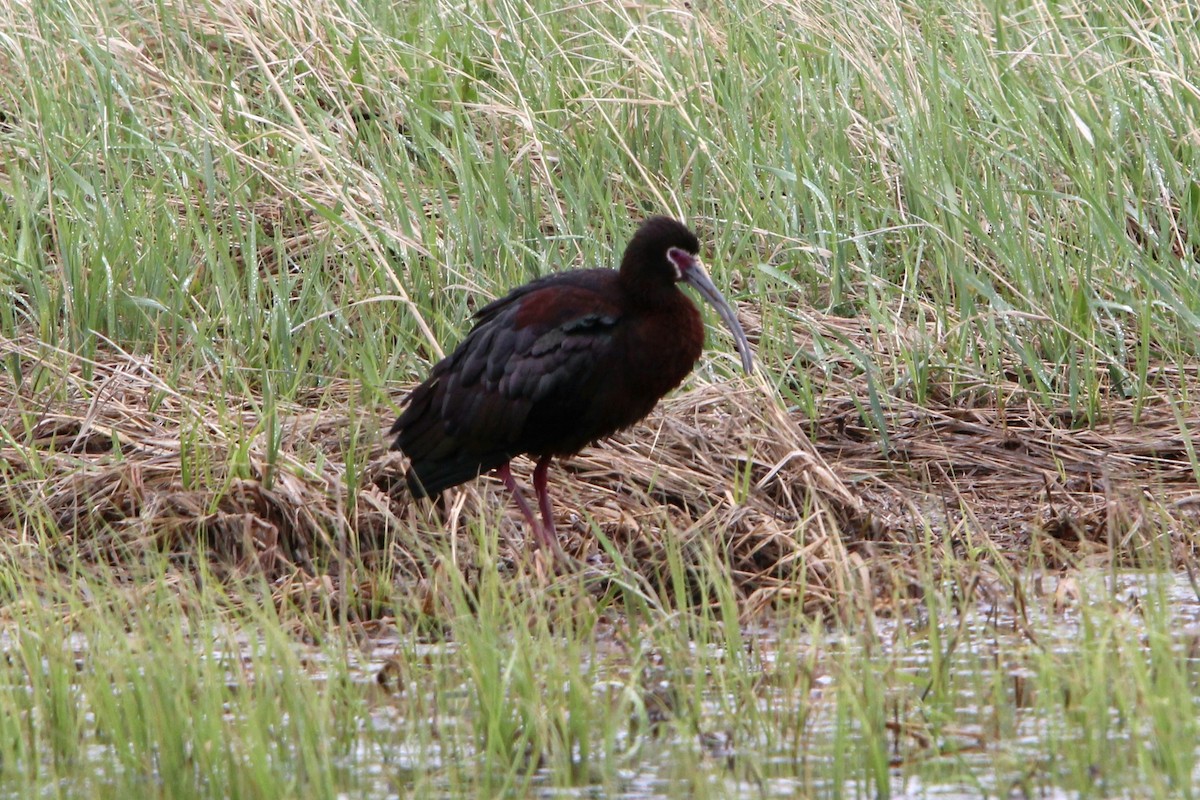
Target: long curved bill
695 276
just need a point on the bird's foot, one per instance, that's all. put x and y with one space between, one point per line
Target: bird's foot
547 543
551 552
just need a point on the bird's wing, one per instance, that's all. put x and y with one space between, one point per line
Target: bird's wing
520 355
540 344
514 296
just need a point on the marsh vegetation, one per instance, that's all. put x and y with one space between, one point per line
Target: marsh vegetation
941 542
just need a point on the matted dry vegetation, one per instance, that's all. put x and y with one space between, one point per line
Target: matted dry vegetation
824 515
295 129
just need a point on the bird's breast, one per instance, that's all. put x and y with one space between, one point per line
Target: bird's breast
665 347
654 352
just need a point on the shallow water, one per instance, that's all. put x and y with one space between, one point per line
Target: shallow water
984 728
970 756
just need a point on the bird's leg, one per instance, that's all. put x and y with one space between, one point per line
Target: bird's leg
549 535
506 475
546 539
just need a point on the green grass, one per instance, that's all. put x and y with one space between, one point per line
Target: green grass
167 686
247 215
314 196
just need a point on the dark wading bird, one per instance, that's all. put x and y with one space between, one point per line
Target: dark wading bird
561 362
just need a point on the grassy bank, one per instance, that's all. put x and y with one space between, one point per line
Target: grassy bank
962 236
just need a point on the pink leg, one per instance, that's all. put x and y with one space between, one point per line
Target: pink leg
506 475
539 487
546 540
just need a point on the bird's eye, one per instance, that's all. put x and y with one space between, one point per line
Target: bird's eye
681 261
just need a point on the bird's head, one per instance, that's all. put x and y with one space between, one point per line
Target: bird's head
665 252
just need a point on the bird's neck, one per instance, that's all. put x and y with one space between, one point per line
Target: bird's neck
643 294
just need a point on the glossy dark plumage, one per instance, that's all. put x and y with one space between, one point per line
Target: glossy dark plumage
561 362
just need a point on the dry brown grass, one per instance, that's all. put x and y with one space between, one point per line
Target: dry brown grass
107 470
